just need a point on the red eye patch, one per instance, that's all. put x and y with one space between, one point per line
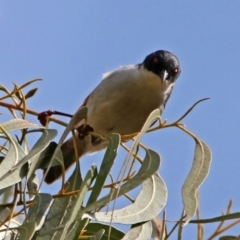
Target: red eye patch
155 60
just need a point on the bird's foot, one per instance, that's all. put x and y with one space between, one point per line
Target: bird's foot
84 130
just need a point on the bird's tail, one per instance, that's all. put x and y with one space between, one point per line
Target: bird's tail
68 152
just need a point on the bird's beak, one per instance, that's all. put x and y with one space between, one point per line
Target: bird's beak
163 75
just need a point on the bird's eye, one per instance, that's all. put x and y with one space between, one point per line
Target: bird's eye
175 71
155 60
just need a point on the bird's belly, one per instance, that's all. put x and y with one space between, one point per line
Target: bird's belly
124 116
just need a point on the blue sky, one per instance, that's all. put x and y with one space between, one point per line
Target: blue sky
70 44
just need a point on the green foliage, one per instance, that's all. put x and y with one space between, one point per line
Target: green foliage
76 211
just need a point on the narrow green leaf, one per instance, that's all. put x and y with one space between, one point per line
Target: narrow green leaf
77 229
18 123
153 117
92 228
197 175
12 143
47 233
32 185
108 160
31 93
13 223
98 235
4 212
14 154
101 176
17 92
7 176
229 238
59 211
150 165
37 210
140 232
218 219
91 174
26 231
42 160
46 154
150 201
41 144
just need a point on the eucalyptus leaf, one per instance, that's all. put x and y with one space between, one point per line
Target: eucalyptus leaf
148 204
74 211
18 123
108 160
46 154
26 231
37 210
98 235
59 212
42 160
140 232
197 175
92 228
152 118
13 223
150 165
14 154
4 213
230 216
33 185
41 144
7 193
229 238
31 93
7 176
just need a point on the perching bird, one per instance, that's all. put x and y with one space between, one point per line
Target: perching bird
122 102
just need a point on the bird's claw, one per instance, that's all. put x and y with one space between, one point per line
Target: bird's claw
83 131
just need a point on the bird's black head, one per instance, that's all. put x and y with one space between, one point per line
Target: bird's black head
164 64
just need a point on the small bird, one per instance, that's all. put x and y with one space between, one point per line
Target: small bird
122 102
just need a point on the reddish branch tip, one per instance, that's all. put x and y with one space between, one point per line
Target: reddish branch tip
42 117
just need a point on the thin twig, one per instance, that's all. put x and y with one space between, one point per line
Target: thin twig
11 106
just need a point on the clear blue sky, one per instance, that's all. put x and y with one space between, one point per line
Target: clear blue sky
70 44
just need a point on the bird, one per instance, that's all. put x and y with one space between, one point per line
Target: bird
121 103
